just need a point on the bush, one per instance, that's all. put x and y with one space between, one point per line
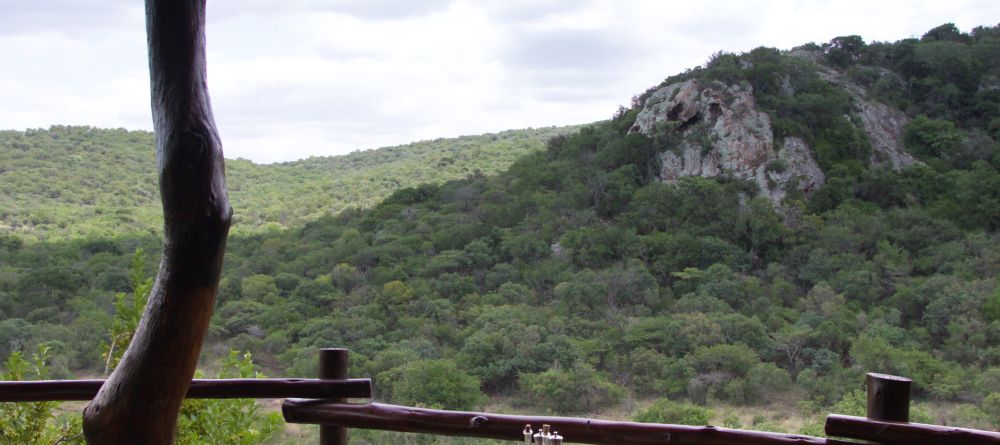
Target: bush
655 373
854 403
667 411
764 381
437 384
991 406
970 416
932 138
777 165
227 421
23 423
579 389
735 360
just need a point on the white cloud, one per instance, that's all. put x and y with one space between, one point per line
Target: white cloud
315 77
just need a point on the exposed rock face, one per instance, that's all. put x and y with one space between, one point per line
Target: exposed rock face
724 134
800 170
883 124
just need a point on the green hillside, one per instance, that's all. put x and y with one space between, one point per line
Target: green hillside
68 182
580 281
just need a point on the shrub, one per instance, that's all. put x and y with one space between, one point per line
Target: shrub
762 382
579 389
437 384
734 360
667 411
991 406
970 416
227 421
776 166
932 138
23 423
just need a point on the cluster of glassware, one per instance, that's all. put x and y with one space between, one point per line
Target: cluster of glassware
542 437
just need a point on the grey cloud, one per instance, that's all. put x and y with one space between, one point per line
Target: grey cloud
569 94
567 49
566 66
507 11
291 104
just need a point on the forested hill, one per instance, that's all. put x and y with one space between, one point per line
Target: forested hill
84 182
751 236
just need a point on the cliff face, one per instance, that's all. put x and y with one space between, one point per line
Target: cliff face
722 132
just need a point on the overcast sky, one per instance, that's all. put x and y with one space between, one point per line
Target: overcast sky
296 78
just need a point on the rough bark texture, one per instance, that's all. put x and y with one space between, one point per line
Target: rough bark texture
140 400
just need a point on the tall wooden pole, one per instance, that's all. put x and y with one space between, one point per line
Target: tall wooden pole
139 402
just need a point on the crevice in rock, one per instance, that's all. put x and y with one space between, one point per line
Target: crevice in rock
675 111
714 111
688 123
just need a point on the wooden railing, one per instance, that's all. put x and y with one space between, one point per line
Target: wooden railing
63 390
323 402
507 427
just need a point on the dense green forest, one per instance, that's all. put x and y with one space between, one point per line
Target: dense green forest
575 281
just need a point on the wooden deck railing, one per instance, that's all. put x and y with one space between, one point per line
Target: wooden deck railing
407 419
323 402
885 432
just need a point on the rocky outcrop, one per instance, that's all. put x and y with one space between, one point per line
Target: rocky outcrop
883 124
723 133
795 168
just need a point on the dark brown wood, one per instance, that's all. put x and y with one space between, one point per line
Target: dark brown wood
509 427
888 397
905 433
333 365
140 400
59 390
281 388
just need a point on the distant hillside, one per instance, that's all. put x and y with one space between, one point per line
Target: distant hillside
83 181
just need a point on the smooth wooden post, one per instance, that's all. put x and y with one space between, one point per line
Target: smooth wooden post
333 366
888 397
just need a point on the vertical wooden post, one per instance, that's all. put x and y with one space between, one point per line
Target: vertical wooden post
888 397
333 366
139 402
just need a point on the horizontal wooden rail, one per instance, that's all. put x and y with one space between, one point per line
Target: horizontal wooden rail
905 433
509 427
52 390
